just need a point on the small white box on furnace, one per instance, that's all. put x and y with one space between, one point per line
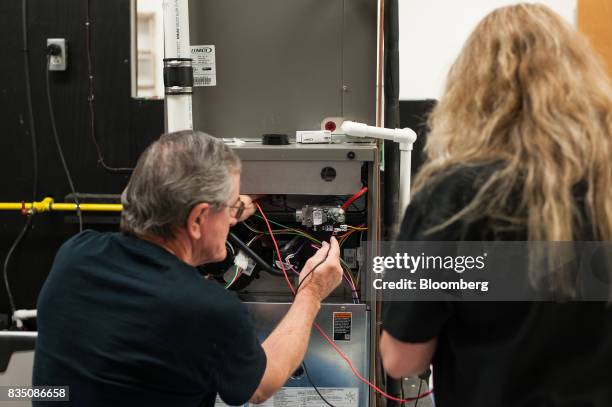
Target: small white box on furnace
313 136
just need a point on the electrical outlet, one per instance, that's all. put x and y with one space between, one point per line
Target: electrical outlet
58 58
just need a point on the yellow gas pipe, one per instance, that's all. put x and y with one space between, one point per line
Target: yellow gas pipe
49 205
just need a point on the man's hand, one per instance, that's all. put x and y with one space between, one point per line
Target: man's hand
327 275
286 346
249 206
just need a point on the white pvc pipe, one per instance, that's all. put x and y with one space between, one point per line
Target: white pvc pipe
22 314
405 137
405 173
178 112
177 45
176 29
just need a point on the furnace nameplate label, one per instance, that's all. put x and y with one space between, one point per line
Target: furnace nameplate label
204 66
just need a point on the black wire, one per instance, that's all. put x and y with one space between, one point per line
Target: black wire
20 237
297 288
28 223
59 147
418 392
26 63
234 239
315 387
91 98
256 258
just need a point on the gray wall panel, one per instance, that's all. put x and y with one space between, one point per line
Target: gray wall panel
280 64
359 68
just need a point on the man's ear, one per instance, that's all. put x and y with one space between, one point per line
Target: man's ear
197 216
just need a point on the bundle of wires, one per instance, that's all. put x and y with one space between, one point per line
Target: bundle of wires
286 230
352 229
326 337
237 272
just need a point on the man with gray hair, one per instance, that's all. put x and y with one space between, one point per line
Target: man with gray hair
126 319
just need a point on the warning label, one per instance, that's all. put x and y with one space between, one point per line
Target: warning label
342 326
204 66
308 397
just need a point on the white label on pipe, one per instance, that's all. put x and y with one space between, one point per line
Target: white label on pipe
204 66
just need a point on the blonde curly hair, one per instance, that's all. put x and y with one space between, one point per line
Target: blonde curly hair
527 90
528 93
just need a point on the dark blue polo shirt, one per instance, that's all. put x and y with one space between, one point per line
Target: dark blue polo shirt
123 322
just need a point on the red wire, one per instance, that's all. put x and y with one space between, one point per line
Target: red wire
354 198
280 260
321 332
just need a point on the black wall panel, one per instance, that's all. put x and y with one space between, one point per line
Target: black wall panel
124 126
414 114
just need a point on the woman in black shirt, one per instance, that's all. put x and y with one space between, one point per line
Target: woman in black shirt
520 149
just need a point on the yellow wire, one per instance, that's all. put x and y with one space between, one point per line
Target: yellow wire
309 237
284 231
356 228
345 237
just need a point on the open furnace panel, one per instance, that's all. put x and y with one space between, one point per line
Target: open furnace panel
278 67
310 192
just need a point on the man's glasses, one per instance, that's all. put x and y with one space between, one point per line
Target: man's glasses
237 209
